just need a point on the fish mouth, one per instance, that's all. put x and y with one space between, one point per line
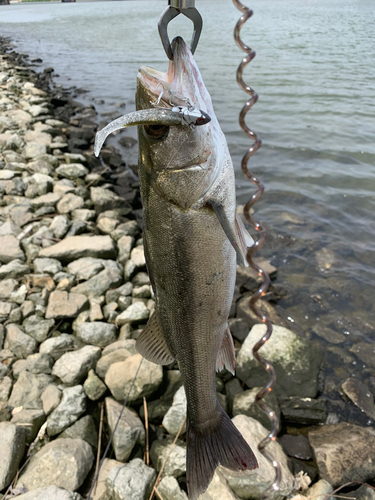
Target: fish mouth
196 167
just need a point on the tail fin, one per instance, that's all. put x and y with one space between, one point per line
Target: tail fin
222 445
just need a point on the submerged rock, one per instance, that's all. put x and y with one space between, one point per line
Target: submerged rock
360 395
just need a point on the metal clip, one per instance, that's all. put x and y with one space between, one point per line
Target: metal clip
176 7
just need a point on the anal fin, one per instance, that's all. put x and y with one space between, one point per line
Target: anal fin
151 343
245 241
226 357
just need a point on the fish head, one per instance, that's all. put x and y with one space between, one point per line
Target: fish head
181 162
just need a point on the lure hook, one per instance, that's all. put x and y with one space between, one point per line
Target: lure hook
176 7
250 54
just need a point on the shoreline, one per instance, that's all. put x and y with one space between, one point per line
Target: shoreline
74 304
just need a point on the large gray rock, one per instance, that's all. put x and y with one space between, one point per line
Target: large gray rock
65 305
71 407
5 388
47 266
119 378
344 452
60 226
57 346
28 389
360 395
249 485
63 462
136 313
85 268
218 488
104 199
37 327
99 492
39 363
31 421
72 171
133 480
296 361
70 202
75 247
51 397
176 414
109 359
15 269
169 489
74 366
19 342
85 429
244 404
10 249
12 449
176 463
96 333
49 492
99 284
129 432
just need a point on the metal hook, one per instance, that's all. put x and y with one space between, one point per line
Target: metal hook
176 7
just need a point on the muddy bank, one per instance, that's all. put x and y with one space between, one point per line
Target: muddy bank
74 296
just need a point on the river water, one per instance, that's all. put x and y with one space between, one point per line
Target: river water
315 76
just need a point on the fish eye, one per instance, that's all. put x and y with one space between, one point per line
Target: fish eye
157 131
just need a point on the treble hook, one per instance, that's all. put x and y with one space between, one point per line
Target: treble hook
176 7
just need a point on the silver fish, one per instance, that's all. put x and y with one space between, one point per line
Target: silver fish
192 234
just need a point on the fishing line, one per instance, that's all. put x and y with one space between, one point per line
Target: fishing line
113 433
250 54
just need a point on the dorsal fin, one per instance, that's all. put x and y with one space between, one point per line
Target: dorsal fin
151 343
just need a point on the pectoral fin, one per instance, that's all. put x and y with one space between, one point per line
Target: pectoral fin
226 357
151 343
237 235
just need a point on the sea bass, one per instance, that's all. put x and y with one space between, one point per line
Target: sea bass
191 237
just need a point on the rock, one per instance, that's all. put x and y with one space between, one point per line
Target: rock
296 446
70 408
125 245
60 226
12 449
296 362
66 305
136 313
142 292
320 490
138 257
5 388
72 171
39 363
176 414
119 378
239 328
304 411
75 247
99 284
51 397
251 484
57 346
122 291
364 492
218 488
344 453
31 421
13 270
74 366
94 387
176 464
104 199
169 489
28 389
19 342
106 225
364 351
63 462
7 287
42 183
85 268
130 228
129 432
244 404
96 333
84 429
70 202
360 395
109 359
232 388
47 266
133 480
10 249
33 150
46 200
5 413
99 492
49 492
38 328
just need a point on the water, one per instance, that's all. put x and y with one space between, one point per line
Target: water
315 76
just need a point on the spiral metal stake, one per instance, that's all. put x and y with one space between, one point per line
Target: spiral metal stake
250 54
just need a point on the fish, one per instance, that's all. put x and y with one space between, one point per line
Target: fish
193 237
